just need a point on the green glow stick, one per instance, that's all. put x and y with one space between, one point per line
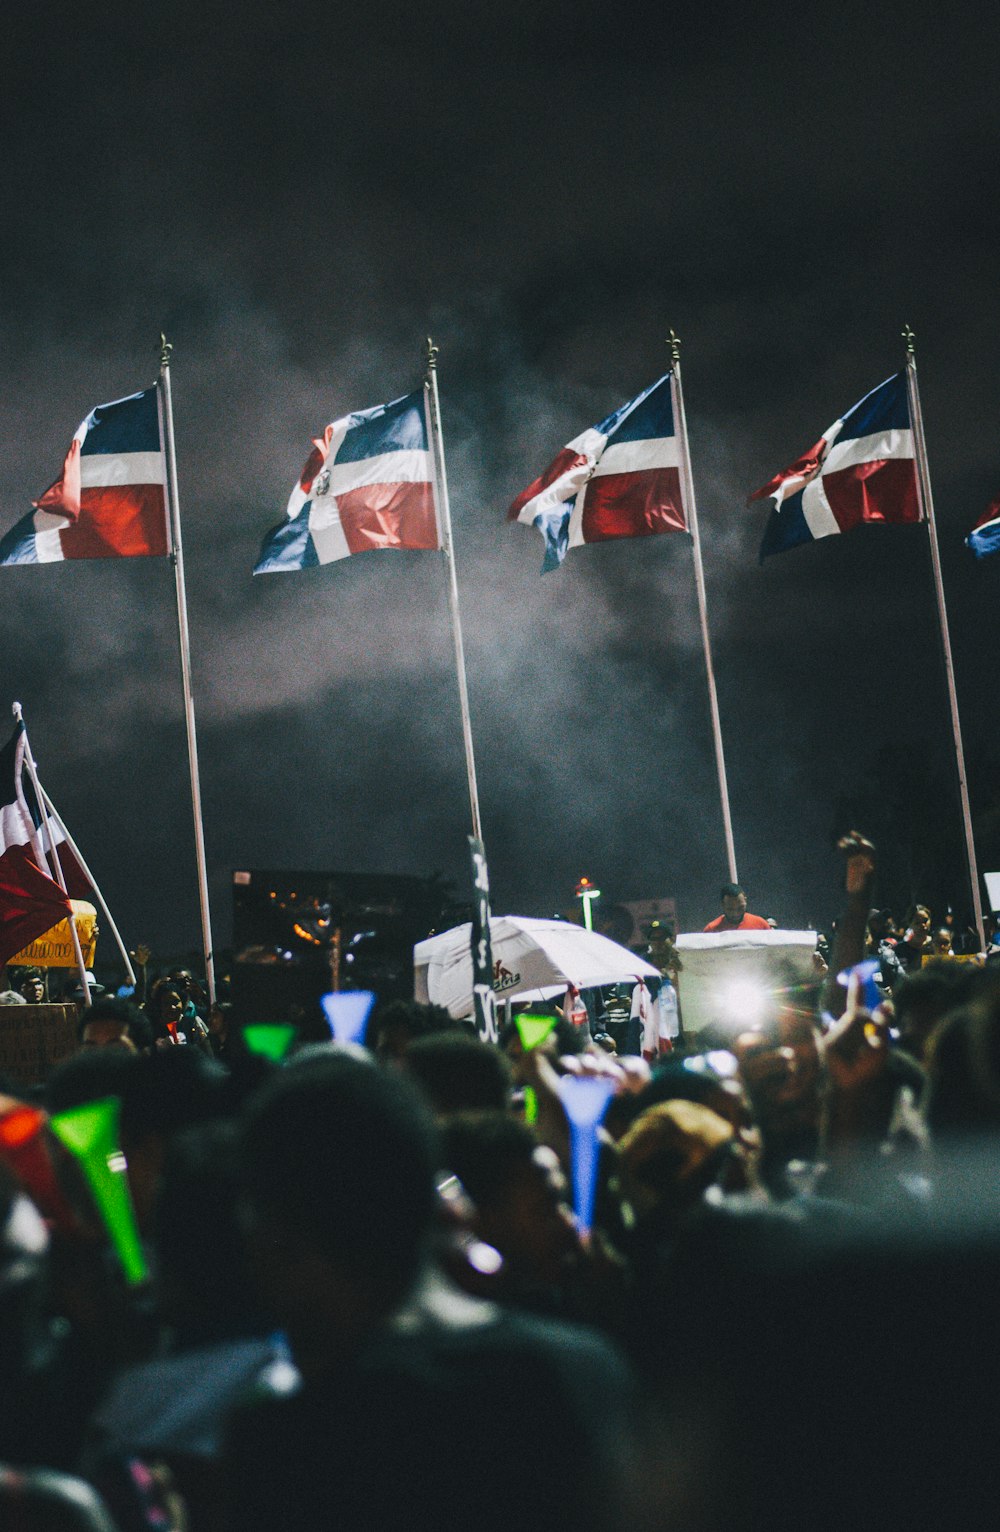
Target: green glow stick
271 1040
90 1132
533 1030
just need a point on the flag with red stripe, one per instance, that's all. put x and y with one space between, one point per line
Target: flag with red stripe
31 902
621 478
49 836
862 470
367 484
985 535
110 499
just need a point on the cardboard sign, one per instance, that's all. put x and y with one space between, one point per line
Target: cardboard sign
33 1040
727 976
55 948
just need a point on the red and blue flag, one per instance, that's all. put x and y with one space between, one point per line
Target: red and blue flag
621 478
31 902
368 483
110 501
985 535
861 470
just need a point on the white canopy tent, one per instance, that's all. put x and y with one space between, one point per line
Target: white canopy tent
532 959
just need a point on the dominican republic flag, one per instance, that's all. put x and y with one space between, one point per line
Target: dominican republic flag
31 902
985 535
49 834
368 483
621 478
861 470
110 502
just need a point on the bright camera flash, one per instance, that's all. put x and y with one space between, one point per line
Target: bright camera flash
743 1001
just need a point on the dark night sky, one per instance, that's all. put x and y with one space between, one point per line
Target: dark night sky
298 194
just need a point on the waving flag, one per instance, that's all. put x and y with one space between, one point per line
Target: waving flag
861 470
49 835
985 535
31 902
618 479
368 483
110 501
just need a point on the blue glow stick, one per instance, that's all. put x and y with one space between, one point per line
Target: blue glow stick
347 1014
871 995
585 1100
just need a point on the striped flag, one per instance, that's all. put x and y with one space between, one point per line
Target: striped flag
861 470
620 478
110 500
985 535
368 483
51 838
31 902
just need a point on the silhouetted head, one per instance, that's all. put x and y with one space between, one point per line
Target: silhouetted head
338 1174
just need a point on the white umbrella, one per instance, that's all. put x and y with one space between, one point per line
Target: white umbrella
536 958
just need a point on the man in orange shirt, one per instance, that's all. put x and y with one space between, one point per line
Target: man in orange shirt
734 915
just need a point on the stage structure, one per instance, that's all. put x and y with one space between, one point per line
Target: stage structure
299 934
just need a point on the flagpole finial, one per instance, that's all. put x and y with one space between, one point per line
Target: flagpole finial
165 350
910 339
16 710
432 356
674 342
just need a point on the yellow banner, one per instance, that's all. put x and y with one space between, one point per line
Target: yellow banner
55 948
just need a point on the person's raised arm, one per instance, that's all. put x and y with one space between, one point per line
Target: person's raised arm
849 943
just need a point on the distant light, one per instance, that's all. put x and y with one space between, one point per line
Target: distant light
586 891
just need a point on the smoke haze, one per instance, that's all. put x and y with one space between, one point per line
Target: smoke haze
298 198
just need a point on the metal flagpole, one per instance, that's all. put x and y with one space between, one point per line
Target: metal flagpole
74 848
927 502
444 523
699 582
177 559
29 761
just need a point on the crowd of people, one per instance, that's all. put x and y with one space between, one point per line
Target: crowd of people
370 1306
